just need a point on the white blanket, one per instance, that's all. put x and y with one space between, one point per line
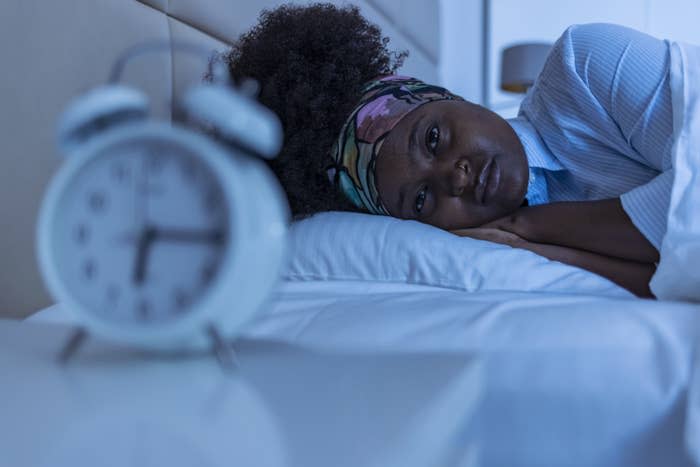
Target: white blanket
569 380
678 274
564 379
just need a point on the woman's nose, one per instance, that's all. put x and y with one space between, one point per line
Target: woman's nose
458 176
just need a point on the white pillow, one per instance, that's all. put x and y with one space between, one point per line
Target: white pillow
364 247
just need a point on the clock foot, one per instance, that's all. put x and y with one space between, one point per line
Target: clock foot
223 351
75 340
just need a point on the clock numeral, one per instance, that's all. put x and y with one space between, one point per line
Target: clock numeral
82 234
120 172
113 293
188 169
207 273
89 269
156 162
144 309
181 299
97 201
212 201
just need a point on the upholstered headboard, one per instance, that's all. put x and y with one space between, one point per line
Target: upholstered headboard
53 51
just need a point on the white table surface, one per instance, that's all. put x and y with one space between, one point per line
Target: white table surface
282 406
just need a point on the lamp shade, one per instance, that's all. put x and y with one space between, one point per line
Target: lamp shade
520 65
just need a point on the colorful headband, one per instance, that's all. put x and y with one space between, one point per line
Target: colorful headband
385 101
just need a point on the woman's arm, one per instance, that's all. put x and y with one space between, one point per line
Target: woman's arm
623 75
632 275
601 227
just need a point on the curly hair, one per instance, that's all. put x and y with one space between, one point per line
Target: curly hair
311 63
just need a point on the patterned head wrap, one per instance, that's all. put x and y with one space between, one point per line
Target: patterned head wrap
385 101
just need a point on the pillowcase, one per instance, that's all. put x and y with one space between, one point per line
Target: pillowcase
365 247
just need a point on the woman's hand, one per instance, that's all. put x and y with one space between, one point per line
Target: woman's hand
492 235
600 226
515 223
632 275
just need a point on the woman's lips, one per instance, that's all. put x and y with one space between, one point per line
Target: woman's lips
489 180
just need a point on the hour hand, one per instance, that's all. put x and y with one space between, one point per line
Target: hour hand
213 236
142 249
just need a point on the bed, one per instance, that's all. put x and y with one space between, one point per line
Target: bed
551 379
557 366
434 350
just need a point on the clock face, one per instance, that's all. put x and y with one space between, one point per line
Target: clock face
140 232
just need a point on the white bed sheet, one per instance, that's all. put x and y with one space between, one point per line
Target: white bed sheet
565 379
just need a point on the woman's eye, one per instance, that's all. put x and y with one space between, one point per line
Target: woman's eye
432 138
420 200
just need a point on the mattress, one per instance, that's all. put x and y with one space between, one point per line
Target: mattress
563 379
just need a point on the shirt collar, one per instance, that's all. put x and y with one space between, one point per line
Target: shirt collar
537 152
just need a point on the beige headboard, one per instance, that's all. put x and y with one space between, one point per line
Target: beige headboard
53 50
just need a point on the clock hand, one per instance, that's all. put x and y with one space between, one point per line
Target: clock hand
151 234
147 233
140 263
147 237
213 236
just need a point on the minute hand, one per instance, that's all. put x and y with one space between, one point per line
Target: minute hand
188 235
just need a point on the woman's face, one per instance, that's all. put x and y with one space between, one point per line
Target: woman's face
452 164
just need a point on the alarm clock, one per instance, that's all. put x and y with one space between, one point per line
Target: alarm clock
162 235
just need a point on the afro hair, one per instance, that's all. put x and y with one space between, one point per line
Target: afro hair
311 63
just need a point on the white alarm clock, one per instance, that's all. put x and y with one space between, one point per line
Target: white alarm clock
156 234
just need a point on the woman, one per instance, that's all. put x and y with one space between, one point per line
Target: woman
582 176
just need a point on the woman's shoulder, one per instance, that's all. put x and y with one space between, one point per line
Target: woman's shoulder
601 44
589 55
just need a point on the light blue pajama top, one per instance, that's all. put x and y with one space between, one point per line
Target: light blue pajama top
598 124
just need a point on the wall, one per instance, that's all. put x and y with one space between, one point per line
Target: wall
461 43
513 21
